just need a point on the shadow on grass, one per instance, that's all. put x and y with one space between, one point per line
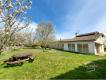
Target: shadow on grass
15 49
73 52
14 65
36 48
93 70
31 48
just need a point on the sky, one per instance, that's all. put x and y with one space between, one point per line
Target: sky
70 16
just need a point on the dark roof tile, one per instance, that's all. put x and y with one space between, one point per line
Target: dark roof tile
85 37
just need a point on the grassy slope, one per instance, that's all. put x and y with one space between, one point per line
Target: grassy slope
52 64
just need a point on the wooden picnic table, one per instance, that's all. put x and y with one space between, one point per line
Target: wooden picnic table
20 58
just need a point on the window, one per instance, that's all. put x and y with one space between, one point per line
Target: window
62 46
79 47
72 47
58 45
83 48
69 46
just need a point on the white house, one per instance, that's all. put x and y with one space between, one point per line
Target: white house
84 43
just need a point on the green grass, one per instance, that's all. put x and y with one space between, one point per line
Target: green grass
53 64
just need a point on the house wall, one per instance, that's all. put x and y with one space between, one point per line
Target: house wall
56 45
100 41
99 49
91 46
102 48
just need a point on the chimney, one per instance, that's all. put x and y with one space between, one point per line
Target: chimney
76 34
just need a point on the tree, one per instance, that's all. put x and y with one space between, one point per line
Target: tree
12 19
22 39
28 42
44 34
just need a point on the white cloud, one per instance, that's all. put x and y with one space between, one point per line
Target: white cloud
101 26
32 27
64 35
90 18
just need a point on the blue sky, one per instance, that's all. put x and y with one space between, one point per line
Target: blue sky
70 16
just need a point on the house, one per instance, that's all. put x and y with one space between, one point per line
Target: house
92 43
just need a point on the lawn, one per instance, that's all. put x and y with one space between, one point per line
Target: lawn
54 64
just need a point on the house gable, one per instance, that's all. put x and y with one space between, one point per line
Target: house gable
100 40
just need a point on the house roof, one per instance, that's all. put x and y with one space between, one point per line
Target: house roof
92 36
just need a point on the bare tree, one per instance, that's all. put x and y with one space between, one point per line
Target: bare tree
44 34
12 19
